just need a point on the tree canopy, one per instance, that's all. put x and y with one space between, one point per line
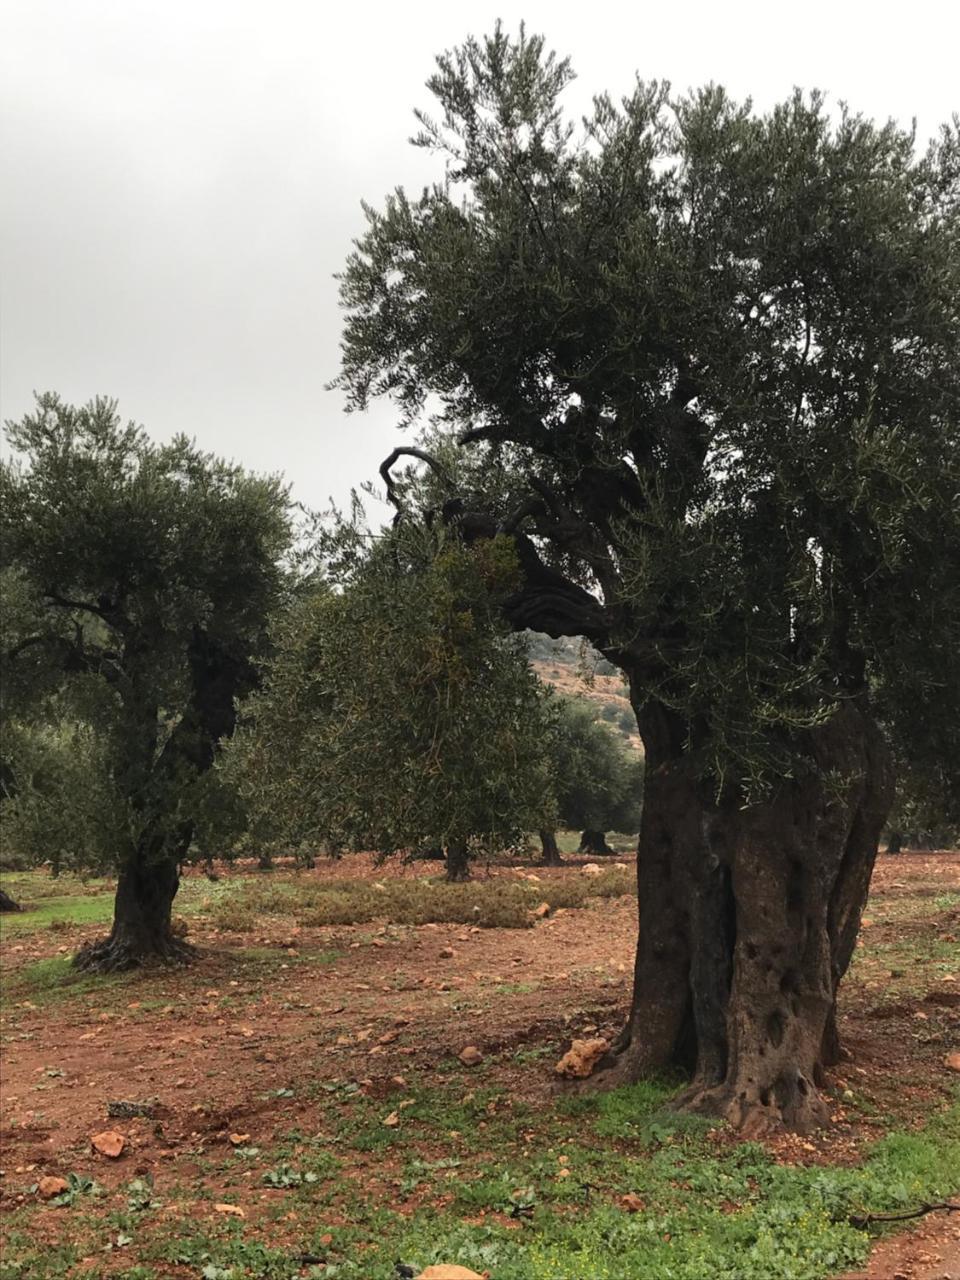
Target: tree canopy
597 779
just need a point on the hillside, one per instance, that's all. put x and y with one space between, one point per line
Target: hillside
575 669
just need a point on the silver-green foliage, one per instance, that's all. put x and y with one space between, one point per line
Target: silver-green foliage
397 712
138 580
720 349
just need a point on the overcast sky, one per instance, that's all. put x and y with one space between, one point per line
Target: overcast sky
181 179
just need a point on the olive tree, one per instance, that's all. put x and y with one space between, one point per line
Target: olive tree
149 572
719 349
597 780
398 713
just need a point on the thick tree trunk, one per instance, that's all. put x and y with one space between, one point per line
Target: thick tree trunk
894 842
748 920
595 843
141 932
458 860
551 850
7 903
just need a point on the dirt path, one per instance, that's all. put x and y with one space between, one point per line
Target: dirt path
931 1252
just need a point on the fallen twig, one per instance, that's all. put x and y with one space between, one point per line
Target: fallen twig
863 1220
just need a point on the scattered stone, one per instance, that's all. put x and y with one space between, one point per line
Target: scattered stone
952 1061
470 1056
239 1139
109 1143
448 1271
388 1037
447 953
128 1110
591 869
232 1210
632 1202
581 1058
51 1186
542 910
392 1120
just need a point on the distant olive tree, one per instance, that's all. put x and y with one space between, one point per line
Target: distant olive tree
597 780
397 712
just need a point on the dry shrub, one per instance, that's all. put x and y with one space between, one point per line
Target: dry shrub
614 882
234 917
496 903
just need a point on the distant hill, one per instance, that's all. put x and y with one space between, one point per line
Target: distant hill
574 668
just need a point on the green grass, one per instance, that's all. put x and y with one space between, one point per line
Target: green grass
709 1209
240 903
55 981
52 903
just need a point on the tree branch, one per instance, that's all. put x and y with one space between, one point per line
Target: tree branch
63 603
407 452
27 643
863 1220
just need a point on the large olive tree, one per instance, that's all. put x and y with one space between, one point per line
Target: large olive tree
721 352
144 576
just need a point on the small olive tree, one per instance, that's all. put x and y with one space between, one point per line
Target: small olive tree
397 713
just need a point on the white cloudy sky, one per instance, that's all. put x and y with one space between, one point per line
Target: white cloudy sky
181 179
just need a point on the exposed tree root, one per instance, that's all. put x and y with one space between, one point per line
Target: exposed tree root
120 954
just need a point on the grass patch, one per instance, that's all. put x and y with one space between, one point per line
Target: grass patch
54 980
89 903
239 904
706 1209
497 903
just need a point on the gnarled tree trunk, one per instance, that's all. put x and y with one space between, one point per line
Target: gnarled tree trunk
142 932
594 842
748 920
458 860
551 850
7 903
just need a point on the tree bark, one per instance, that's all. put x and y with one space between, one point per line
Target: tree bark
748 921
595 843
142 931
551 850
458 861
7 903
